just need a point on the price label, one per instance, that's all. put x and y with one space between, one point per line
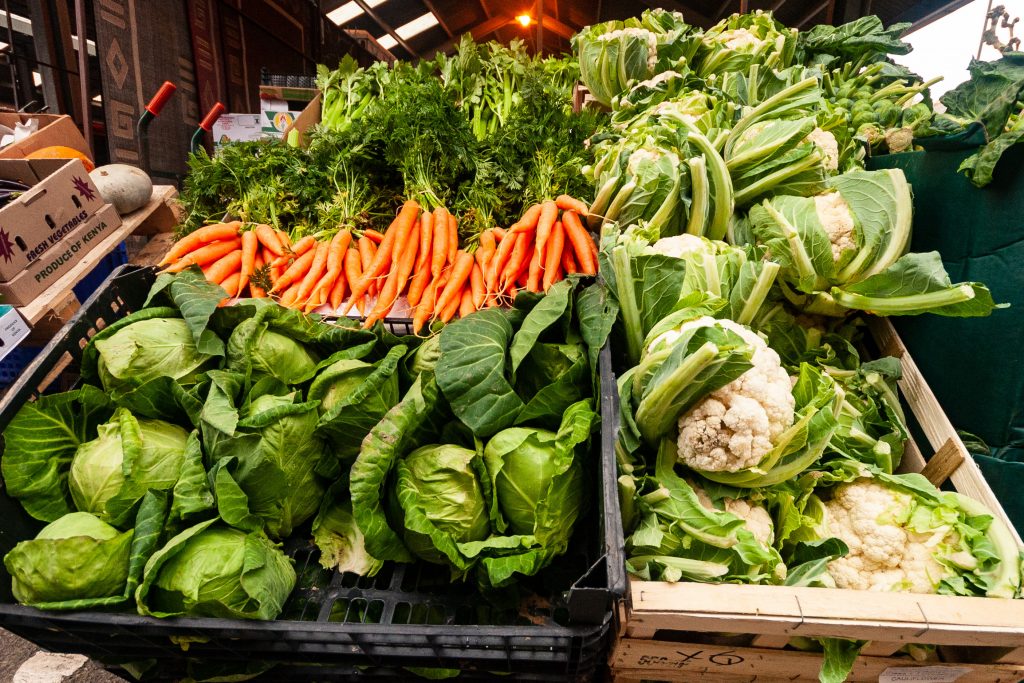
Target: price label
922 674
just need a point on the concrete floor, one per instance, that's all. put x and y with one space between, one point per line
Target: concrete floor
23 662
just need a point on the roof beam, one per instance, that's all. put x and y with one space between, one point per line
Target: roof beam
440 17
481 30
387 27
813 12
555 26
722 9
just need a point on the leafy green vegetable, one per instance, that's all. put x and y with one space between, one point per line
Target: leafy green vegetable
337 535
210 570
147 349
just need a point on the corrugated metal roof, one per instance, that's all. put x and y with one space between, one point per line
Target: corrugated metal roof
495 19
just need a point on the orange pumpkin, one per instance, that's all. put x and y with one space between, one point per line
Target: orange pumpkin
61 152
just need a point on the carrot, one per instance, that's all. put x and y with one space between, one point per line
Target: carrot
426 239
568 262
335 264
204 256
250 245
353 270
466 306
397 234
548 216
269 239
477 288
313 275
375 236
488 246
230 283
528 220
553 258
459 275
286 239
523 278
440 241
294 273
255 291
296 250
582 244
425 309
418 285
396 281
567 203
451 308
453 238
499 233
499 261
288 298
536 267
520 257
196 239
224 267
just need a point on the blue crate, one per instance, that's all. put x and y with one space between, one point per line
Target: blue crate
91 282
14 362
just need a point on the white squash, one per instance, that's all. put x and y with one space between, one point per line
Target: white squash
126 187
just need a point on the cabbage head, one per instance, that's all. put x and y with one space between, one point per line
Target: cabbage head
76 557
253 346
213 570
147 349
440 483
341 543
128 457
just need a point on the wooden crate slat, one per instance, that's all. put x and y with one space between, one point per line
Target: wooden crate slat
660 660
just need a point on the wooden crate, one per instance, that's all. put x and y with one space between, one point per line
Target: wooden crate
691 631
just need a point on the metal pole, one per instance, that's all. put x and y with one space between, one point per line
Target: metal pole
540 28
83 72
981 41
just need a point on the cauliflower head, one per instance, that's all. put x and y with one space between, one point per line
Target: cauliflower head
885 555
758 521
679 245
828 145
740 39
835 215
734 427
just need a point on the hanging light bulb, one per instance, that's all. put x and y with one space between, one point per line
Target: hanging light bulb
524 20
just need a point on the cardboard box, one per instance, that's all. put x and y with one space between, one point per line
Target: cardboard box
236 128
276 121
53 130
61 199
309 117
13 329
43 272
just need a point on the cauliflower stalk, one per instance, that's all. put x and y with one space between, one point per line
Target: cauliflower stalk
735 414
905 535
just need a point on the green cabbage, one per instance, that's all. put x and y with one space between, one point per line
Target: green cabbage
254 347
216 571
127 458
76 557
147 349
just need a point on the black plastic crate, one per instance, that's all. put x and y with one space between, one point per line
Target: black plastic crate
337 626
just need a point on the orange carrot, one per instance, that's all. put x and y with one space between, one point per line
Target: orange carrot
375 236
313 275
453 238
425 309
488 245
296 250
451 308
528 220
499 233
294 273
269 239
286 239
567 203
250 245
396 281
224 267
534 273
582 244
230 283
548 216
353 270
459 275
466 306
439 253
335 265
204 255
568 262
477 288
397 234
499 261
426 239
519 258
553 258
255 291
197 238
288 298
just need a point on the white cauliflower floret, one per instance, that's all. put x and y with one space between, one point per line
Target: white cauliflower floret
758 521
834 214
828 145
659 78
884 555
642 33
734 427
739 39
679 245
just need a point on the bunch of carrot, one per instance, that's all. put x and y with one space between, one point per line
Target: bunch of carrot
418 256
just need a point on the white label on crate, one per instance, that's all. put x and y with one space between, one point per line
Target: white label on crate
922 674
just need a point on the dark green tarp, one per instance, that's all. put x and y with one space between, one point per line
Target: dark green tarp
975 366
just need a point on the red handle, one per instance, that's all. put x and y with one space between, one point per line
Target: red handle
212 116
160 98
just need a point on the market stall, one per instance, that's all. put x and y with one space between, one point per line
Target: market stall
557 367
